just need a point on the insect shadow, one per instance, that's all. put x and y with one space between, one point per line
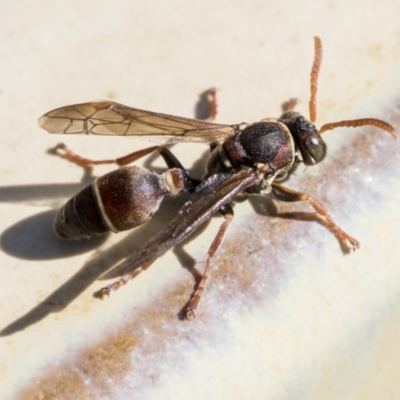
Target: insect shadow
96 266
18 241
246 159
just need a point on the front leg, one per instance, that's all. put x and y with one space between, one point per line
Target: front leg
288 195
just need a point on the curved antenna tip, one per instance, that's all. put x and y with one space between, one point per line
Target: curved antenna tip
355 123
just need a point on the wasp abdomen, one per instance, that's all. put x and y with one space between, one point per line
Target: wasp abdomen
117 201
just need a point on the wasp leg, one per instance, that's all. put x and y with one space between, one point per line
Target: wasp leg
171 161
206 107
227 212
211 98
287 195
289 105
105 291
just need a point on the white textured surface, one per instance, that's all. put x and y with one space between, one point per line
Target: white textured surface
286 315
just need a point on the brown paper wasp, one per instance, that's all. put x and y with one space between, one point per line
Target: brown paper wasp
245 159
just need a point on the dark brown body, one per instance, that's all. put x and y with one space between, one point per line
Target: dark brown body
120 200
130 196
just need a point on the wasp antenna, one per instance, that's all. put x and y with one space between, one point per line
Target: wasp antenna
354 123
314 78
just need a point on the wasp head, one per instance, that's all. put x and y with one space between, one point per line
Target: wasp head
306 136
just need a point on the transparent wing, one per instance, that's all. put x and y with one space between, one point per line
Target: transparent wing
109 118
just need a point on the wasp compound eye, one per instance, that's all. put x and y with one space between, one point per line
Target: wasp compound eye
306 136
313 149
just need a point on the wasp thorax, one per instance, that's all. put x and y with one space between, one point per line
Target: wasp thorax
306 136
268 143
